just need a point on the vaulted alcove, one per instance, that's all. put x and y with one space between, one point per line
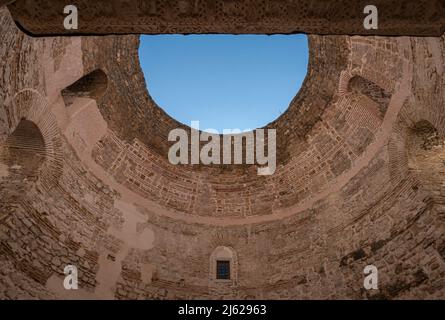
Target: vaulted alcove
426 157
25 148
93 85
360 85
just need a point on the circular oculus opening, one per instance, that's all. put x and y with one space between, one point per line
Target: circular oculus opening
224 81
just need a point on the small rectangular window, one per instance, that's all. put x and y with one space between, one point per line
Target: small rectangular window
223 270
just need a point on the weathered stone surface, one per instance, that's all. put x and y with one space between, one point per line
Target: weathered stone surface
410 17
359 180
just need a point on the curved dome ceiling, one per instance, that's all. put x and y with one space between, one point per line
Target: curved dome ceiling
359 180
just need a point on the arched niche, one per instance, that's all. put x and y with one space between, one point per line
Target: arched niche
365 87
93 86
426 157
25 150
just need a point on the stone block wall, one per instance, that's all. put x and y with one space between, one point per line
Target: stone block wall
359 180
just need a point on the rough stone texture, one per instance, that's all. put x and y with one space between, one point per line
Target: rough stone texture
408 17
360 179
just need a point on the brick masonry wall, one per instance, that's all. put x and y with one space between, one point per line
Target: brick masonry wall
354 185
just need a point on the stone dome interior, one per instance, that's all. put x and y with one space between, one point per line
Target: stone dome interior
85 178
